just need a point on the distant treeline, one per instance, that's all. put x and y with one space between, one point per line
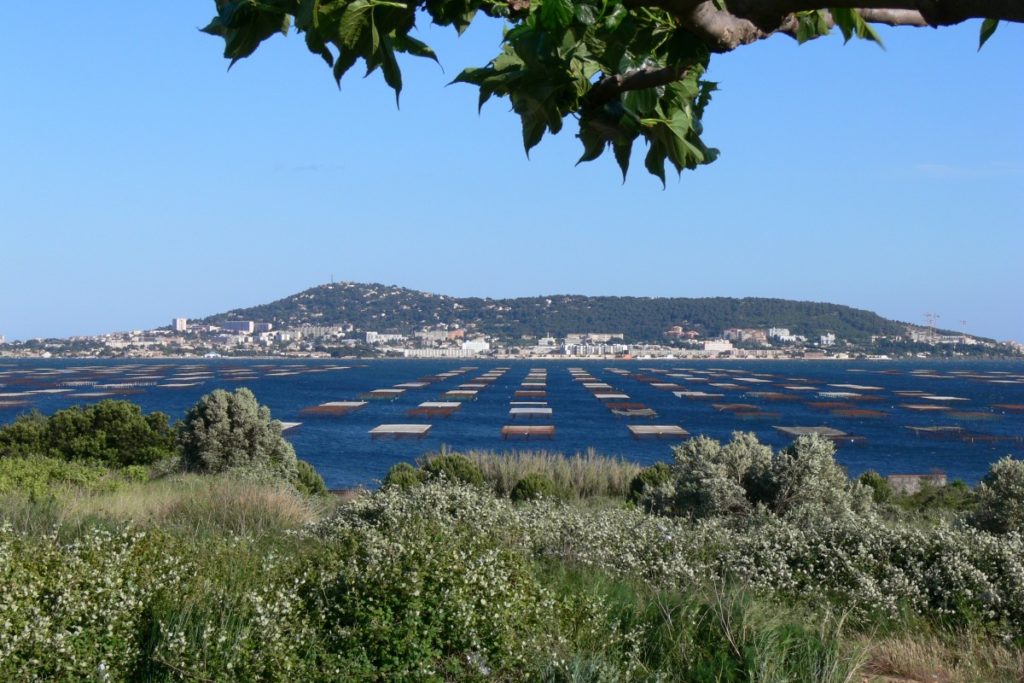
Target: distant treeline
394 309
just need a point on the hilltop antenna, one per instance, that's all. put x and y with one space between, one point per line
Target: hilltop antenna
930 319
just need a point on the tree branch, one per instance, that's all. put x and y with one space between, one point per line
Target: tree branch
769 13
610 87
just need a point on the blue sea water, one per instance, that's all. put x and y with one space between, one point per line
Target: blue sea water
342 450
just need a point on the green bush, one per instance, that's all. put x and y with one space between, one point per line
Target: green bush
1001 498
115 433
308 480
881 491
226 431
648 480
454 468
534 486
404 475
37 476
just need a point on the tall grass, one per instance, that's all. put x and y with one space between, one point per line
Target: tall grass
704 634
584 475
196 505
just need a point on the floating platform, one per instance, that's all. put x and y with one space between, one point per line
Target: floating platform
529 412
860 413
334 408
530 393
738 408
1009 407
382 394
923 407
696 394
528 431
657 431
398 431
610 396
635 412
435 408
826 432
461 394
411 385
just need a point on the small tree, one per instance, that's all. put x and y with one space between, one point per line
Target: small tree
712 479
226 431
805 476
1001 498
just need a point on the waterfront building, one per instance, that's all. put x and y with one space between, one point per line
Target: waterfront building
179 324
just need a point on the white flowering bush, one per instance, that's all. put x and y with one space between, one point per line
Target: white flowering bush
1001 498
874 568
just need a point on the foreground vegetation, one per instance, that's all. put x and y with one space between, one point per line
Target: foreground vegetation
734 563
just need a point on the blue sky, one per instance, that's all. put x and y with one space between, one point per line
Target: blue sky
139 180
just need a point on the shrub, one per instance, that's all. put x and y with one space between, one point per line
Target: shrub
116 433
881 491
1001 498
226 431
533 487
805 476
734 479
650 478
308 480
38 476
454 468
403 475
712 479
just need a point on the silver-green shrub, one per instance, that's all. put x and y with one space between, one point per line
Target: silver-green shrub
226 431
743 476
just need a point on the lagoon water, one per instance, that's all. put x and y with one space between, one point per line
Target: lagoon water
984 399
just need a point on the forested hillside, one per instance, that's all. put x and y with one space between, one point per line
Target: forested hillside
395 309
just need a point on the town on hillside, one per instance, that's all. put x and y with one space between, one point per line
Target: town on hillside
185 338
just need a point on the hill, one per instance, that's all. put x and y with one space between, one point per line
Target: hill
387 308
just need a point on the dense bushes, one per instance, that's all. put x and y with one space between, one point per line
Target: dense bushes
709 479
115 433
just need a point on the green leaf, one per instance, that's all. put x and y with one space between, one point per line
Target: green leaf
533 131
654 162
811 25
417 48
988 27
851 23
556 14
352 28
346 58
585 14
623 150
389 65
594 143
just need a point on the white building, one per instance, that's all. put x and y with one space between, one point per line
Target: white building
476 346
179 324
718 345
378 338
828 339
